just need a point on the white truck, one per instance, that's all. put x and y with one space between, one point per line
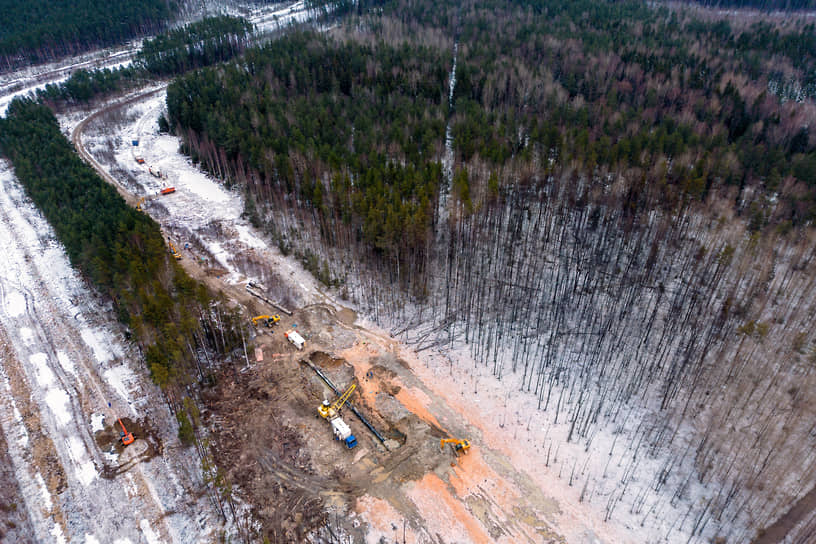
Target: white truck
296 339
342 432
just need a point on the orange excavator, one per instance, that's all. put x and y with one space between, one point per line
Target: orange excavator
125 436
458 445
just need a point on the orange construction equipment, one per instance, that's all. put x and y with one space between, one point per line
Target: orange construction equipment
168 190
125 436
458 445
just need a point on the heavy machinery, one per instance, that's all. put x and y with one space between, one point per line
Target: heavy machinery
269 320
139 204
459 445
331 413
168 190
125 436
174 251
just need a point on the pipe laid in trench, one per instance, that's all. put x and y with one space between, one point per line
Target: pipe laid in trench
350 405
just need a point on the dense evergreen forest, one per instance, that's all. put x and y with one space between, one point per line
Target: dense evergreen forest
43 30
205 42
609 203
118 249
764 5
671 107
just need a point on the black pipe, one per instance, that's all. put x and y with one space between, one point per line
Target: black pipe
350 405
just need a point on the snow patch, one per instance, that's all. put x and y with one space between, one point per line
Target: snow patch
15 304
207 191
97 422
66 363
120 377
46 496
91 338
45 376
57 400
149 534
59 538
91 539
18 419
86 472
246 236
27 336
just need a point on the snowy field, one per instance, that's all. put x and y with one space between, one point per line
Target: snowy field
70 374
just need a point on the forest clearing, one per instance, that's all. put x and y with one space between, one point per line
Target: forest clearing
577 237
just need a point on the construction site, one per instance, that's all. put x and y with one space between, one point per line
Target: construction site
326 428
286 454
330 424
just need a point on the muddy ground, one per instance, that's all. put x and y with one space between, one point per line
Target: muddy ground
282 456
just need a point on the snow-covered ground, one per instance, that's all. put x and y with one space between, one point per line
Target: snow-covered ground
69 363
27 81
201 209
68 372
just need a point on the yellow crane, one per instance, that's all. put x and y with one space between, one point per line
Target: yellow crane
331 413
458 444
329 410
269 319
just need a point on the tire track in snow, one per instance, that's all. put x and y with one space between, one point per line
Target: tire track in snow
48 336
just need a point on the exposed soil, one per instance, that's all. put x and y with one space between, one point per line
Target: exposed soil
282 453
279 456
147 445
777 532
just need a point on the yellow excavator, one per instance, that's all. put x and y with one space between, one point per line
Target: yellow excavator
459 445
268 319
139 204
174 251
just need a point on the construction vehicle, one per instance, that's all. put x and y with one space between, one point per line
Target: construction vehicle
331 413
168 190
140 160
125 436
459 445
176 254
139 204
295 339
269 320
